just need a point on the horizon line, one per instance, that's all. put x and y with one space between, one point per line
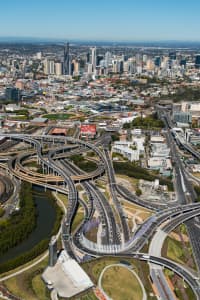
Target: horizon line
10 38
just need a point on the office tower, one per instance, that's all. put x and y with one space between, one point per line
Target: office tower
172 55
138 59
144 58
76 67
93 59
157 61
49 67
183 62
39 55
121 66
150 65
53 251
99 59
182 117
67 60
126 67
165 62
90 69
13 94
88 58
58 68
108 59
46 66
197 61
117 66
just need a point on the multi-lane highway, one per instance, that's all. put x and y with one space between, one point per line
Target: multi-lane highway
62 175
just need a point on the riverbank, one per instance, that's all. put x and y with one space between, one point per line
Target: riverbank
49 216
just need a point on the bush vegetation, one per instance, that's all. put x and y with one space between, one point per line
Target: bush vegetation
132 170
150 122
21 224
85 165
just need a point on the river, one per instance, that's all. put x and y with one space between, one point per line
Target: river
46 216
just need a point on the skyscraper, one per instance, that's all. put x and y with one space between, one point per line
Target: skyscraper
13 94
67 60
157 61
93 59
197 61
58 68
108 59
49 67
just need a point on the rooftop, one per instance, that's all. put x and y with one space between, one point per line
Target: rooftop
67 277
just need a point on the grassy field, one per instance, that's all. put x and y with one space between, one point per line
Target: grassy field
92 234
95 267
196 174
133 181
88 296
181 290
175 250
29 285
124 286
133 208
63 198
78 218
58 116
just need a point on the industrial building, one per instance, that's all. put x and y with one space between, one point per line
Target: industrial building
124 148
66 277
182 117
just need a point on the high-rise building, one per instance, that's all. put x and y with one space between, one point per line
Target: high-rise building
150 65
88 58
67 60
172 55
117 66
58 68
12 93
138 59
99 59
183 62
76 67
157 61
108 59
126 66
144 58
89 69
49 67
197 61
53 251
94 59
39 55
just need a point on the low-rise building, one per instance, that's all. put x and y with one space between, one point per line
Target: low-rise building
139 143
66 277
159 156
127 150
39 121
192 136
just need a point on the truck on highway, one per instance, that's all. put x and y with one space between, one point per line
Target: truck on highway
146 256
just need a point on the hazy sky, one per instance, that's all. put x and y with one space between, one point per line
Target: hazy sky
101 20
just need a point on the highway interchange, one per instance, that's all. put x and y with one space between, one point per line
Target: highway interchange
61 175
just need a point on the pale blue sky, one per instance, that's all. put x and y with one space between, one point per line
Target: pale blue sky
101 20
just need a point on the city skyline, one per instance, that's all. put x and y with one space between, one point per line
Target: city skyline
131 21
99 167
